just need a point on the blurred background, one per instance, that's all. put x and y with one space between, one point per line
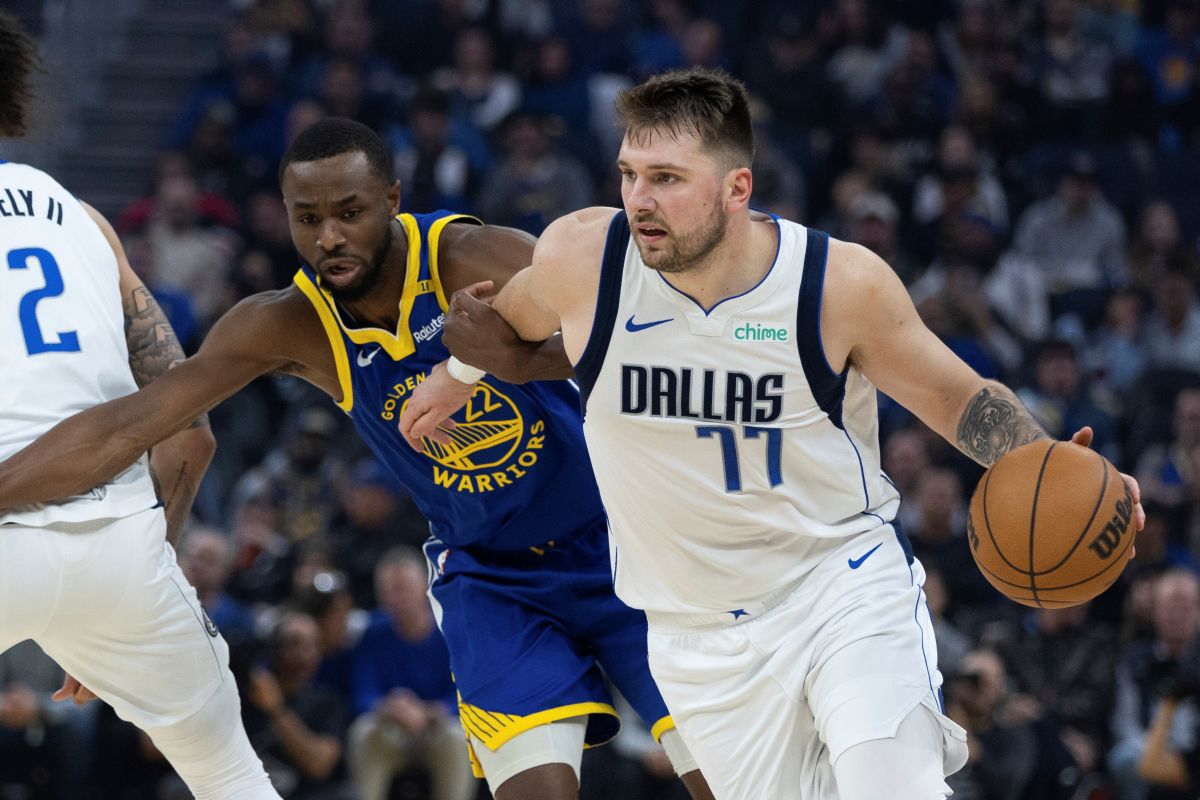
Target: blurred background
1030 168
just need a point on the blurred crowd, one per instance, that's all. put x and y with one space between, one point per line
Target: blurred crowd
1028 167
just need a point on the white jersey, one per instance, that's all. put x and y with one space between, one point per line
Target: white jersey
727 451
62 335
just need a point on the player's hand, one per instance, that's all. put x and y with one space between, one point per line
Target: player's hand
1083 437
74 691
427 412
477 335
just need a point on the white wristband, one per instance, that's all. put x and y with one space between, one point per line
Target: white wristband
464 373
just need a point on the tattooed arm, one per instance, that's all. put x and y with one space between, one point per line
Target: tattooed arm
867 319
994 422
178 463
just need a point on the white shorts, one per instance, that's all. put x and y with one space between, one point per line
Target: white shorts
107 601
767 704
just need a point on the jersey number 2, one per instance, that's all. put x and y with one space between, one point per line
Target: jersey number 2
68 341
729 454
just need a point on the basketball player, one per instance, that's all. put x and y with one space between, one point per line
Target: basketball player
89 574
728 362
519 560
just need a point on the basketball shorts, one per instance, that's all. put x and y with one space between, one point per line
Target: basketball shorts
769 702
532 635
108 602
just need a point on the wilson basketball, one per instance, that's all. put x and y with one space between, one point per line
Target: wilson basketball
1051 524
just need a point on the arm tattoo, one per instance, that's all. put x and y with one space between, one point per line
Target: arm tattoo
993 424
153 348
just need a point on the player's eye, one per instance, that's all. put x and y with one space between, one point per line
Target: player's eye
306 219
351 213
666 177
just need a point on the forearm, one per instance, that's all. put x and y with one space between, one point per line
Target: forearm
314 754
992 422
77 454
1160 764
179 464
523 362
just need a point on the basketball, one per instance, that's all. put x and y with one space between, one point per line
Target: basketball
1051 524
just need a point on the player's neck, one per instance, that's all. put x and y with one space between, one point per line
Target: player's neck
735 266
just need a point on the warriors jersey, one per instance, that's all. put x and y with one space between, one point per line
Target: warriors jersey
62 335
516 473
725 446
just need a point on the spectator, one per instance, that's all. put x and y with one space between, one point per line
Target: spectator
1077 240
1071 72
299 477
1169 56
1173 327
1062 400
205 558
1063 662
479 93
1143 668
534 183
1116 356
434 171
1001 749
296 727
873 222
1159 248
404 696
46 746
1165 469
326 598
188 257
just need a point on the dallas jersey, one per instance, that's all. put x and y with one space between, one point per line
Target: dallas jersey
516 473
727 450
62 335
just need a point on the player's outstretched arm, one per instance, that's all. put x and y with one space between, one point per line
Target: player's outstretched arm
868 319
92 447
178 463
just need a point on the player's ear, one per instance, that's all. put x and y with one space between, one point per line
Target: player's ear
393 198
739 184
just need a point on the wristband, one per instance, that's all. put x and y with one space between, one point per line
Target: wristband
464 373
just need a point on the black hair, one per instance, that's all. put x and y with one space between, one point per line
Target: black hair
18 59
336 135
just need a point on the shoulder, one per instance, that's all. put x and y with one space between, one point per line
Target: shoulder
852 269
579 232
466 241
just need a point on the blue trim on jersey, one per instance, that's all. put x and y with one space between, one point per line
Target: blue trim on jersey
608 298
921 632
902 538
774 261
828 387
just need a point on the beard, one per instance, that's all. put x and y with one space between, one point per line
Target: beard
371 273
690 250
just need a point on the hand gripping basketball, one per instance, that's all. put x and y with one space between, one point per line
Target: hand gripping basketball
1052 523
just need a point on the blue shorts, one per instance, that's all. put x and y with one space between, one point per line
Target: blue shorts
529 632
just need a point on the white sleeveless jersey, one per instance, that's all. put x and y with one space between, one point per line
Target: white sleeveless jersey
726 449
62 335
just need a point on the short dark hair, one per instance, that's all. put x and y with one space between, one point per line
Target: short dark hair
18 59
707 103
336 135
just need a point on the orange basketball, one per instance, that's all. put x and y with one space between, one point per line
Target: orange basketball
1051 524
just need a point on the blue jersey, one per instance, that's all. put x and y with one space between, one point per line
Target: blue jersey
516 473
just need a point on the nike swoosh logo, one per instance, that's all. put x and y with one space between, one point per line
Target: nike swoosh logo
365 360
855 563
634 327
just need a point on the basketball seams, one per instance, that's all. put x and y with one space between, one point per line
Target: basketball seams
1091 519
1080 582
1037 490
987 523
